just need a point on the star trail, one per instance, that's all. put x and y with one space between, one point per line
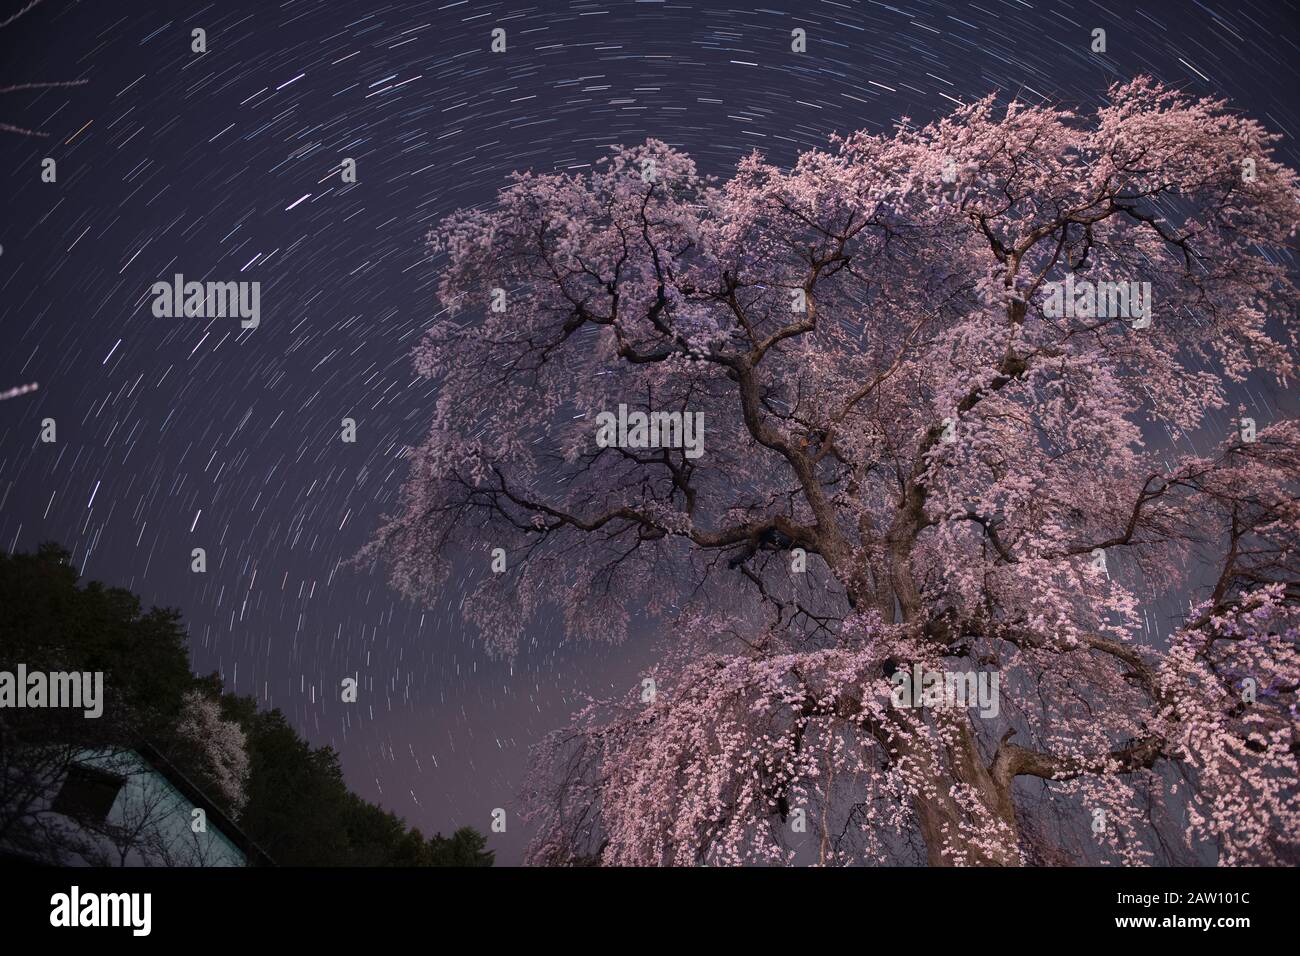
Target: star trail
184 432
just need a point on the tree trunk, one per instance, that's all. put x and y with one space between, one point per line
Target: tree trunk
980 832
980 828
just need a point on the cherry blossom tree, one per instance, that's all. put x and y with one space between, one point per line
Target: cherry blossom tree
914 457
220 747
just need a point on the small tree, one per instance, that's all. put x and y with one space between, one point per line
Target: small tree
219 747
942 433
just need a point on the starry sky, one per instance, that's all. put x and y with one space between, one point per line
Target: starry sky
183 433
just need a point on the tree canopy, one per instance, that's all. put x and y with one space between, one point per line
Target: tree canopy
916 454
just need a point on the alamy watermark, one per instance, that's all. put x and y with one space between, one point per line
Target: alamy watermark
923 688
78 690
1101 300
211 300
75 908
626 429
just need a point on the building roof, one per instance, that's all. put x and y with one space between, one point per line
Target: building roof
255 855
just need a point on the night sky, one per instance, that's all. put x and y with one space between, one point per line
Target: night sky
181 433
